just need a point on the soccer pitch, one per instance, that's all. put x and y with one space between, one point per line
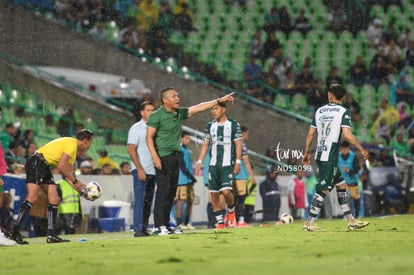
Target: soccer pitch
386 246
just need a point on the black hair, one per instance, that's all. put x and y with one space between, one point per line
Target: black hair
185 133
84 134
345 144
145 103
244 129
337 90
163 91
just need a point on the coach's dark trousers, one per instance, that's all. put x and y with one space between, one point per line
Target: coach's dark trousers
167 180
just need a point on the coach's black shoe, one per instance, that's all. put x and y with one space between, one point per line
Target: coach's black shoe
138 234
55 239
174 230
17 237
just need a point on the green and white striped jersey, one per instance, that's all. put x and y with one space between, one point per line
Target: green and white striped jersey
328 121
222 138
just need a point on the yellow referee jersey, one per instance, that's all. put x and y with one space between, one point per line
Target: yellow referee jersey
53 150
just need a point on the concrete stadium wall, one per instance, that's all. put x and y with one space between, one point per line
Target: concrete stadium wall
41 42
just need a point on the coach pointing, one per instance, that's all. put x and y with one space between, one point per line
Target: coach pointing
163 140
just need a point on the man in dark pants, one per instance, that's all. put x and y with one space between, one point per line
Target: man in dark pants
163 140
143 171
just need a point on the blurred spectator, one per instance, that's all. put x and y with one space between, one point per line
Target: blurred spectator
374 32
183 20
383 132
304 81
390 32
14 156
256 44
125 168
302 22
353 107
213 74
160 46
400 146
404 38
128 37
271 20
147 18
385 159
385 111
405 117
6 213
333 77
86 168
317 96
409 54
252 74
10 134
401 90
276 64
105 159
288 83
358 72
106 169
394 54
165 18
337 18
27 139
285 24
268 93
380 68
270 45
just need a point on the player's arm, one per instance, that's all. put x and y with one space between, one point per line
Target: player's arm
352 140
203 152
149 138
309 138
204 106
66 169
249 168
238 146
132 151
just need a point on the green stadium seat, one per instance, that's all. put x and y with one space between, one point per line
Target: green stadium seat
281 101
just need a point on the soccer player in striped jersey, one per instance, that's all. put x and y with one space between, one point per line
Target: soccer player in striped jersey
329 122
224 136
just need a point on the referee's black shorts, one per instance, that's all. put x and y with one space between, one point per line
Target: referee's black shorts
38 170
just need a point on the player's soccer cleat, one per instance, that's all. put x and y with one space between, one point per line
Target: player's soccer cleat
231 219
55 239
4 241
311 227
220 226
17 237
242 224
357 224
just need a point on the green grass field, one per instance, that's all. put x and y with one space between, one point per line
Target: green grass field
386 246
